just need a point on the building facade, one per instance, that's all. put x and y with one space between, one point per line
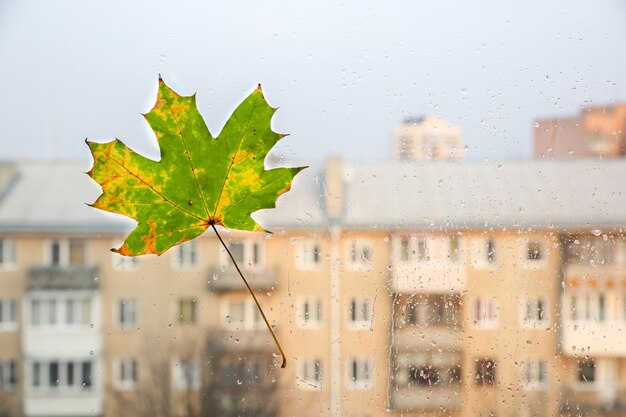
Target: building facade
439 289
596 132
426 138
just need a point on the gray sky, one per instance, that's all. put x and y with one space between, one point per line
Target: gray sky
342 72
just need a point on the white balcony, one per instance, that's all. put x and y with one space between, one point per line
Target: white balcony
54 332
66 404
599 339
427 277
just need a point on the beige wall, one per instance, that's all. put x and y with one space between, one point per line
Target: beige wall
157 285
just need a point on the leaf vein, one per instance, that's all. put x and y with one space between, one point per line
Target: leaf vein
154 189
219 197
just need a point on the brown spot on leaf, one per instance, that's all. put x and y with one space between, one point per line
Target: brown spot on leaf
151 238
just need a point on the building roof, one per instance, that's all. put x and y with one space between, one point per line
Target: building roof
582 194
466 195
51 197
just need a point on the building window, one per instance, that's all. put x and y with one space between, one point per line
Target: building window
78 311
588 306
127 313
8 254
240 313
485 372
535 374
67 375
360 313
491 251
586 371
360 373
126 373
486 312
454 375
361 254
310 312
8 314
433 311
186 255
186 313
308 255
424 375
74 311
422 250
534 312
533 251
404 248
247 252
66 252
186 374
43 312
310 374
453 249
8 374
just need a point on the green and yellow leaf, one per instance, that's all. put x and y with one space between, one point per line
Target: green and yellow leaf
199 181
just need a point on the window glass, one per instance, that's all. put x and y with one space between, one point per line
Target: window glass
8 253
310 374
586 373
127 312
186 311
485 373
186 255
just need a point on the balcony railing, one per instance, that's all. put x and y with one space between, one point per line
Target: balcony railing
242 340
576 401
63 278
426 398
222 280
412 337
427 278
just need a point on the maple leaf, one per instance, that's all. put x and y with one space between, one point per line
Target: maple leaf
199 182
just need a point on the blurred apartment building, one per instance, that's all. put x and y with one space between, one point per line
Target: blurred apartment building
448 289
596 132
426 138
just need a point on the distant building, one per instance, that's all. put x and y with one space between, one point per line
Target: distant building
597 132
426 138
396 290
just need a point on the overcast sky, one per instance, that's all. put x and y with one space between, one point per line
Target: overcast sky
342 73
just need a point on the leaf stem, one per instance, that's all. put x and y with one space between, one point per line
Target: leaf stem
267 323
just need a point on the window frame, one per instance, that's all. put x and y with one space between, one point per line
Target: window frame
305 250
10 306
252 319
179 381
304 381
6 250
493 321
249 244
365 364
364 323
533 368
120 374
534 323
315 320
186 256
64 252
78 375
9 374
480 366
121 303
180 304
355 262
